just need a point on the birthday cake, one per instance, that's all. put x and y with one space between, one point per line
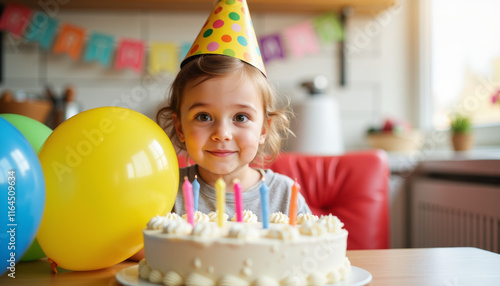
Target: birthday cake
311 253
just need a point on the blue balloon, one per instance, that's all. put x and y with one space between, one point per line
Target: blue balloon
22 196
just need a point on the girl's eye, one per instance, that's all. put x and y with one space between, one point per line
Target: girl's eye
241 118
203 117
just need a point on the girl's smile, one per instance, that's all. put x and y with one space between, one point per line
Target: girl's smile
221 153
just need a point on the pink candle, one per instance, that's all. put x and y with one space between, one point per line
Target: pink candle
187 188
238 200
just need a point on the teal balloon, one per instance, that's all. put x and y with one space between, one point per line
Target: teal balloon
36 133
23 200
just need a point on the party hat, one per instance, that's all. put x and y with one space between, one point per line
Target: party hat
228 31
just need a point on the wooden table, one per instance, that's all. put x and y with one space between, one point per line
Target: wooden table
425 266
459 266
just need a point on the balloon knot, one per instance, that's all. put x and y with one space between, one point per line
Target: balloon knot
53 265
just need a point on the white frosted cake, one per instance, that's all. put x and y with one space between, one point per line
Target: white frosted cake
244 254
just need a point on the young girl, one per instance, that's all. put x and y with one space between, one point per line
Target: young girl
222 112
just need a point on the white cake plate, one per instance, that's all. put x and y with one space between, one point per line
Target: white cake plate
130 277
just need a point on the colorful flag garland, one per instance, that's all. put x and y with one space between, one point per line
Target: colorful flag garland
130 54
271 48
302 39
70 41
100 49
42 29
15 18
159 56
38 27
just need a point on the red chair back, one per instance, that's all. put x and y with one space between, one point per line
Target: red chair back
353 186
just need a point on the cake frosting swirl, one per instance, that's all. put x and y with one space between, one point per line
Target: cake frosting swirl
279 217
158 221
248 217
198 217
283 232
312 229
206 230
172 278
177 227
243 231
302 218
213 216
332 223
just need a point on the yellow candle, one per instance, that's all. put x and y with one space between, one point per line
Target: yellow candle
220 188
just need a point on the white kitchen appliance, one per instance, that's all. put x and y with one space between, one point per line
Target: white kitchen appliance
317 121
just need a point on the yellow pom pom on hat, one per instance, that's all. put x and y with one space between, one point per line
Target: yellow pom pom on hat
228 31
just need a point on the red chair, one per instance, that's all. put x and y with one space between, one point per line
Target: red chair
353 186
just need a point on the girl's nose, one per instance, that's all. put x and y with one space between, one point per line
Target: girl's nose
222 132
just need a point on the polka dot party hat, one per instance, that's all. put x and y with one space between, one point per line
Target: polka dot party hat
228 31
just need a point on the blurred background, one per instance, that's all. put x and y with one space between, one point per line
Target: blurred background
403 76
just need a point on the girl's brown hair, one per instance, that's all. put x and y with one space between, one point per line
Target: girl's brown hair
205 67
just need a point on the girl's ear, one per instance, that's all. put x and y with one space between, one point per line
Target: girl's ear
263 133
178 127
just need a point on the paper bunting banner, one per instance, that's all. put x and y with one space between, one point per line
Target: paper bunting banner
99 48
302 39
40 27
15 18
163 57
130 54
271 47
329 28
42 30
70 41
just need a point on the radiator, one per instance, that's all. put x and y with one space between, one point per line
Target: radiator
446 214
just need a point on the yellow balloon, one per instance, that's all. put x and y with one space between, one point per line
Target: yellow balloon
108 170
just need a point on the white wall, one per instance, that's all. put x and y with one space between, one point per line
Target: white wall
378 66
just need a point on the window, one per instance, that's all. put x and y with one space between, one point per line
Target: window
461 48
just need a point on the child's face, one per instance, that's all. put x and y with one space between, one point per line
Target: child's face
222 124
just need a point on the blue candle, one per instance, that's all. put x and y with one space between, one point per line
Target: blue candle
264 204
196 192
